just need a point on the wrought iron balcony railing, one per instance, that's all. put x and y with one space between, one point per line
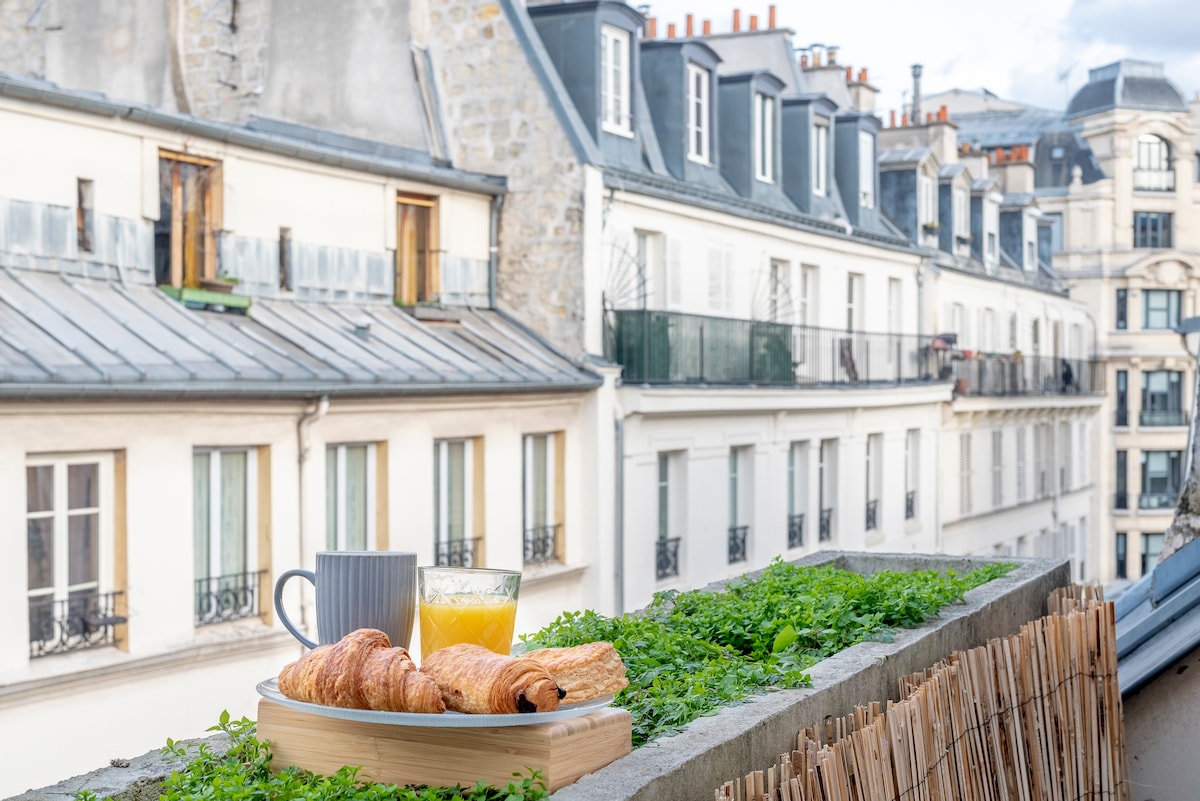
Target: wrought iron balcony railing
231 597
1157 500
667 562
795 531
84 620
1164 417
825 533
660 347
1007 375
910 504
459 553
1154 180
872 514
737 543
541 544
1120 500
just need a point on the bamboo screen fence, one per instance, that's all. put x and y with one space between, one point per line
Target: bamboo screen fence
1033 717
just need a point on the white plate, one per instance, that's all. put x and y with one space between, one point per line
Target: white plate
447 720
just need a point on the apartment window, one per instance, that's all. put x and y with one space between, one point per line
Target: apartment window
1122 398
1121 499
350 493
764 137
827 487
1161 479
69 551
962 227
543 498
808 295
797 493
1122 309
991 246
1162 399
417 277
1012 331
1160 308
874 478
740 502
1151 229
820 158
189 197
1022 490
698 114
1152 166
927 207
912 457
997 468
854 302
85 216
964 473
1035 336
458 502
987 328
780 300
720 279
225 526
614 80
1122 569
866 170
1030 255
669 516
895 320
1066 451
1151 547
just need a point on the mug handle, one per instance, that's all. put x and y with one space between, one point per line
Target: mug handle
283 618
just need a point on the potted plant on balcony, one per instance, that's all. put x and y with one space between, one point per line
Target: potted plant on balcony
929 228
223 283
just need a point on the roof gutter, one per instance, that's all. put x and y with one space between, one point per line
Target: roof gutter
39 92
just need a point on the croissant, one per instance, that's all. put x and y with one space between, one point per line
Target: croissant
586 671
478 681
361 671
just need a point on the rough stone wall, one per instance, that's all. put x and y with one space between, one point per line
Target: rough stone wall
499 120
225 56
23 37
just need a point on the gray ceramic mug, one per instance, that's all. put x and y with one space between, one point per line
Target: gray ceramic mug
356 590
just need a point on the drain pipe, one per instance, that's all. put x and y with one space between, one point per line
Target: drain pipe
307 418
493 247
619 509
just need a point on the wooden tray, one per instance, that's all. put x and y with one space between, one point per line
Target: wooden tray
561 750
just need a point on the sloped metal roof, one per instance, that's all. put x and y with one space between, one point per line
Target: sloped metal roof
904 155
1126 84
1158 619
63 336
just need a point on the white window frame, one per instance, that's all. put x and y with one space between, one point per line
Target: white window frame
798 480
60 588
961 223
442 498
699 113
339 466
615 81
866 170
820 159
997 468
549 440
966 475
764 137
854 301
214 505
927 207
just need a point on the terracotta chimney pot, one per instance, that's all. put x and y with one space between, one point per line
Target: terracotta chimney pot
754 22
707 27
771 24
671 30
690 25
651 27
737 20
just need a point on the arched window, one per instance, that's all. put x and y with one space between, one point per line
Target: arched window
1152 164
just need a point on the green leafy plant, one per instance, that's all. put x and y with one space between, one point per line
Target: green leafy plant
242 773
689 654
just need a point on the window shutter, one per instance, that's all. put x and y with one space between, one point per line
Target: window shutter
674 275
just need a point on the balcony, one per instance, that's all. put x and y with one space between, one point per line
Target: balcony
795 531
872 515
825 534
541 544
234 596
84 620
1165 417
910 504
667 558
1006 375
737 543
1154 180
459 553
1158 500
658 347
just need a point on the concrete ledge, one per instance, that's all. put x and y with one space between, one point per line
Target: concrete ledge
690 765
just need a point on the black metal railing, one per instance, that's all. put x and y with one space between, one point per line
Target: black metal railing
231 597
659 347
1120 500
910 504
737 543
872 514
1154 180
825 533
667 563
459 553
1164 417
795 533
1122 418
541 544
1157 500
83 620
1000 375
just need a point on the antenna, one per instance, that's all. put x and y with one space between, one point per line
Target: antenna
1063 76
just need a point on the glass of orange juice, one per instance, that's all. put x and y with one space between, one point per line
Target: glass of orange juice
461 604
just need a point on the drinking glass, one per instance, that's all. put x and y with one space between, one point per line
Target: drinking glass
461 604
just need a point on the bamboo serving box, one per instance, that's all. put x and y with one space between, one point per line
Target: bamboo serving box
562 751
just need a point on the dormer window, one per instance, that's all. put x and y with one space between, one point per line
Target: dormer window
1152 169
962 226
614 81
925 204
866 170
764 137
820 158
698 128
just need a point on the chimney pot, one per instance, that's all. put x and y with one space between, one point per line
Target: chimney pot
904 120
862 75
832 51
928 117
892 119
737 20
690 25
671 30
771 24
651 27
803 62
707 27
849 74
943 114
754 22
816 59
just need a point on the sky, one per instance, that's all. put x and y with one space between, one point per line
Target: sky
1033 51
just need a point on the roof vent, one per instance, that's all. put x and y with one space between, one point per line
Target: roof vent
362 327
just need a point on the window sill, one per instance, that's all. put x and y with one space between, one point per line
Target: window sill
536 575
624 133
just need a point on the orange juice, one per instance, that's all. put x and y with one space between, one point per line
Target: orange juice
467 618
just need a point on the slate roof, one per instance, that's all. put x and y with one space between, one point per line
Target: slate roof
1158 619
71 336
1126 84
989 129
904 155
